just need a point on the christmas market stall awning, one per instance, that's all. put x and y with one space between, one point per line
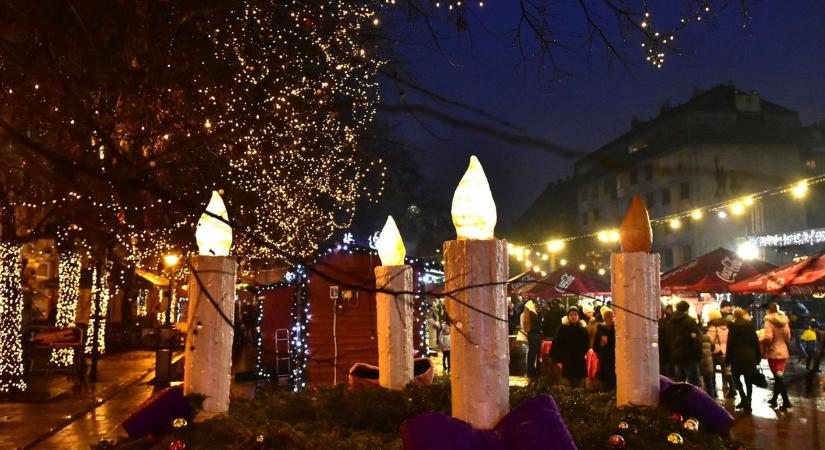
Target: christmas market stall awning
567 283
522 282
157 280
713 272
801 278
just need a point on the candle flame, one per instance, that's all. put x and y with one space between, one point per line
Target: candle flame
635 234
390 245
213 236
473 210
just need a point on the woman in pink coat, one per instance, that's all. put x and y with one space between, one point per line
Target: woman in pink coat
775 340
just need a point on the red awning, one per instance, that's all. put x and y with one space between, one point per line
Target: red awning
802 278
568 283
712 273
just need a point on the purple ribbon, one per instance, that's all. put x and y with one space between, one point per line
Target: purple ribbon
535 424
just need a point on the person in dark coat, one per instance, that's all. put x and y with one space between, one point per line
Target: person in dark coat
570 347
685 344
743 354
551 318
531 329
665 364
604 345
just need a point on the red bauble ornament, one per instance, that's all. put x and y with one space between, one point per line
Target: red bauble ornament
177 445
617 441
676 417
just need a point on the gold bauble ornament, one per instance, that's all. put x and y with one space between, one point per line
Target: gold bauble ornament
675 439
691 424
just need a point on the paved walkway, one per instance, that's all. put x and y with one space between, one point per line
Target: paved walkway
24 425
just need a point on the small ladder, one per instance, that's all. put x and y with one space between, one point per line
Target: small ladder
282 359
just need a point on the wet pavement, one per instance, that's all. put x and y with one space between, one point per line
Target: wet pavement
800 428
25 425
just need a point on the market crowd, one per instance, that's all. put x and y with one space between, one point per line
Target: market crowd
576 345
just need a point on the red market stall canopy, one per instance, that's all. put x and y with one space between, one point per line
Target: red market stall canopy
802 278
567 283
713 272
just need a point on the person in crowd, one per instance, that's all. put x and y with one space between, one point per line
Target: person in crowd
800 317
742 355
685 342
551 317
706 367
590 320
531 329
444 343
604 345
665 364
570 347
718 333
726 310
512 316
775 338
809 340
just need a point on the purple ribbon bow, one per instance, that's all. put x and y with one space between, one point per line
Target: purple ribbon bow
535 424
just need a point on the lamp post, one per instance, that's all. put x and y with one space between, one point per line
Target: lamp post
394 310
636 294
170 261
208 353
475 275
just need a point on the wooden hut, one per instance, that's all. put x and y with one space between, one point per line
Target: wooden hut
323 318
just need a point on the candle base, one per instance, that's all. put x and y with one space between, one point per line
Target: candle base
480 356
394 324
635 284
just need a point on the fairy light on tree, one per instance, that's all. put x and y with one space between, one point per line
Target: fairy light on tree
279 122
11 320
68 288
99 287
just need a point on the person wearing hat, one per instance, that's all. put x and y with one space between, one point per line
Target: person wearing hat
570 347
809 338
685 340
726 311
718 334
604 345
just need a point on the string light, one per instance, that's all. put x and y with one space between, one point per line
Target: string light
68 289
675 224
800 190
11 320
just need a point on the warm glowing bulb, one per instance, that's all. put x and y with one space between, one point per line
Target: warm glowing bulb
748 201
528 264
214 237
171 260
675 224
536 269
473 210
563 262
603 236
747 251
614 235
737 208
800 190
582 267
602 271
555 246
390 245
722 214
696 214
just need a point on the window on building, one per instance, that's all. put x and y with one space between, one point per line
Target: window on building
648 169
650 198
810 164
634 176
687 253
684 190
665 196
667 257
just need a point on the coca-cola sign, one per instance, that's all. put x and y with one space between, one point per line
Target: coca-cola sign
730 268
564 282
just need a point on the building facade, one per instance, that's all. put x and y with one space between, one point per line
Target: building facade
721 145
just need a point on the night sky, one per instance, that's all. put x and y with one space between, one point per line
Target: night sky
780 54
